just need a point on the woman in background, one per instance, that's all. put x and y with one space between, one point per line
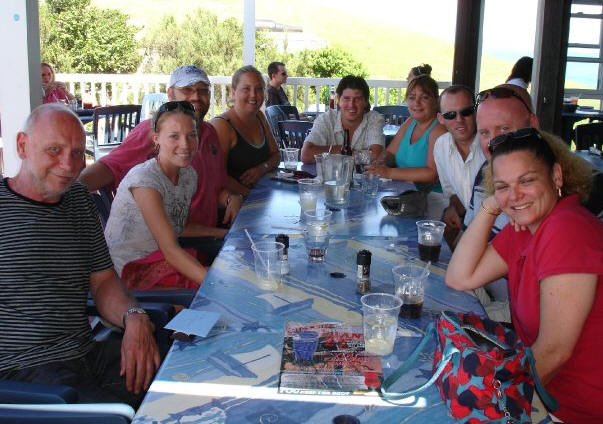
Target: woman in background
521 74
54 91
415 71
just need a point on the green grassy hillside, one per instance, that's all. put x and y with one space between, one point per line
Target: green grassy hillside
376 38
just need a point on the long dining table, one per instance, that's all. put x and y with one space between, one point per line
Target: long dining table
232 375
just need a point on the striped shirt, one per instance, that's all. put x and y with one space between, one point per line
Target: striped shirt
47 254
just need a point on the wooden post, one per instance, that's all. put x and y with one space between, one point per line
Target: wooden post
468 43
550 57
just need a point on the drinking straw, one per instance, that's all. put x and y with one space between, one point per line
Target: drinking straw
253 245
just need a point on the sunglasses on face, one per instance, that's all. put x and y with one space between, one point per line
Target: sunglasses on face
468 111
181 105
519 135
501 93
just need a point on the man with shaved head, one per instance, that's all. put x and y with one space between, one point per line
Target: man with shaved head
52 254
500 110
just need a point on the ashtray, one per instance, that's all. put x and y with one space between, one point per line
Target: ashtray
411 203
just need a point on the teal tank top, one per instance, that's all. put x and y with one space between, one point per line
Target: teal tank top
415 155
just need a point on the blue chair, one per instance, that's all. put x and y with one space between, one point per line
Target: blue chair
102 200
36 403
589 135
293 133
399 111
277 113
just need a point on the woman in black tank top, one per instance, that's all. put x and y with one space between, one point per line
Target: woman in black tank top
249 147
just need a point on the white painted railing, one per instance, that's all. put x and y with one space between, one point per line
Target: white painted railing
105 89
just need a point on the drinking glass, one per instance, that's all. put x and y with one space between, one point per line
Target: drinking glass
409 283
290 155
268 256
380 319
319 158
309 190
430 233
337 173
316 234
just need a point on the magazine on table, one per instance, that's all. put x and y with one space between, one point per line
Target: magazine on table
328 359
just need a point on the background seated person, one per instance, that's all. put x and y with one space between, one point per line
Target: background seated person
521 74
277 76
247 142
188 83
52 254
364 126
54 91
552 252
415 71
409 156
151 206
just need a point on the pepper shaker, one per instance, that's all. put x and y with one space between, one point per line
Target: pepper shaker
363 277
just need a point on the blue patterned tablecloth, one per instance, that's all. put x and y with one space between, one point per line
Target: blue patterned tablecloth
232 375
273 207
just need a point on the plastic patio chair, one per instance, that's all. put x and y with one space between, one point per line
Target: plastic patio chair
277 113
400 111
589 135
36 403
293 133
150 103
111 125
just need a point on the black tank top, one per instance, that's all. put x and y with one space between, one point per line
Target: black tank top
245 155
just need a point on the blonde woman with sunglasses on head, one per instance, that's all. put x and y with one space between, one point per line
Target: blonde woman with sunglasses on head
151 207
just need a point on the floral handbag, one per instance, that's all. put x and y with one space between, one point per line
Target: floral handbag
482 369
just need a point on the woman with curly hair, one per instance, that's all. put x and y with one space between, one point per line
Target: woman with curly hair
552 252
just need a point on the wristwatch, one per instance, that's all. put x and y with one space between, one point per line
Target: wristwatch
130 312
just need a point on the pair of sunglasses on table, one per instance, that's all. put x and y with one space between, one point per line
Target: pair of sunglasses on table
181 106
497 93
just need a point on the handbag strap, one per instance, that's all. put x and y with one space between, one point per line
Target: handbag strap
408 364
549 401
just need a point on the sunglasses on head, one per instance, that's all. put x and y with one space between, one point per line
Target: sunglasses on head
468 111
519 135
501 93
181 105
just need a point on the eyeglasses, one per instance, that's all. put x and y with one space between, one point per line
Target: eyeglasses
501 93
189 90
181 105
519 135
468 111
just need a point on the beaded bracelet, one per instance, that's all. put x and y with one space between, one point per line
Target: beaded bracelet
488 211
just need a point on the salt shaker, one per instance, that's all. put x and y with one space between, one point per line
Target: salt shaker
363 277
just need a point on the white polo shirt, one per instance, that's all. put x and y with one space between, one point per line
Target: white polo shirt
456 175
327 130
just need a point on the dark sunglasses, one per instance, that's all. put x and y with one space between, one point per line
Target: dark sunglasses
501 93
468 111
519 135
181 105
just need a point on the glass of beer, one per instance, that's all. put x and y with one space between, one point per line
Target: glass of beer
430 235
409 283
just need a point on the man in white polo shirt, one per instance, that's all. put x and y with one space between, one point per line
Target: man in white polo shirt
457 155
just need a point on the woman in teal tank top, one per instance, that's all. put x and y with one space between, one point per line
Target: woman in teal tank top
409 156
